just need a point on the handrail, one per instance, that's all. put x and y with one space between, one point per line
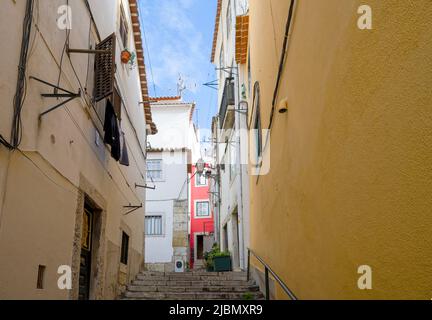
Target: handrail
267 271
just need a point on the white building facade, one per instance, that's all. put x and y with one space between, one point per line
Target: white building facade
230 185
171 152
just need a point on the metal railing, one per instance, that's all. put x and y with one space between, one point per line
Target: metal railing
267 273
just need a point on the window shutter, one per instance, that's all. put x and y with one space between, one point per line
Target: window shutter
105 68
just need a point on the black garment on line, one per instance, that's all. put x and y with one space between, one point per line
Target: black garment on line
112 132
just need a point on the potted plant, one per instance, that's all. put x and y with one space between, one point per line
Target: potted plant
126 55
216 260
208 257
222 262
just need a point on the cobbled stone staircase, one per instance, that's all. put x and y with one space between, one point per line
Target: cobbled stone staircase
195 285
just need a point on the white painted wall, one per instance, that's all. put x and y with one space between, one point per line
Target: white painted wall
234 190
175 133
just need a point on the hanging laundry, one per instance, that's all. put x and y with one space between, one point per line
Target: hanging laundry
124 157
112 133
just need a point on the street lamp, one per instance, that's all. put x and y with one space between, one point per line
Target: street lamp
200 166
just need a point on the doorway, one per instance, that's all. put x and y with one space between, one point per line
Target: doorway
225 238
86 253
200 247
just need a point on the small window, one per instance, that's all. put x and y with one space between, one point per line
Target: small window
202 209
154 170
153 225
40 277
124 30
124 249
201 180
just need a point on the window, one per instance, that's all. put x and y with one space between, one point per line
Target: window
154 169
124 30
40 277
229 19
200 180
221 64
124 249
233 161
257 124
153 226
202 209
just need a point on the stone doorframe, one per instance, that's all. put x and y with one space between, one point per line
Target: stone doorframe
89 193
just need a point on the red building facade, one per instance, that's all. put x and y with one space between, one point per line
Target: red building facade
202 222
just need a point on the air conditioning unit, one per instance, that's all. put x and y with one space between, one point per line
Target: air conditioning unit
179 266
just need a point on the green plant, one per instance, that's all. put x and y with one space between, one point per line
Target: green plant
247 296
213 253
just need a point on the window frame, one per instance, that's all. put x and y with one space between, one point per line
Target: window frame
257 125
196 209
123 27
148 171
199 185
221 63
162 225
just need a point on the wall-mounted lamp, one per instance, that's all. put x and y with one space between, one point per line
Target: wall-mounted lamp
200 166
283 106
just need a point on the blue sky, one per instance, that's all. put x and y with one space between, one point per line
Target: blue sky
179 36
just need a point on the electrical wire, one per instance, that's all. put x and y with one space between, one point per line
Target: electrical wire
281 69
147 49
21 88
282 61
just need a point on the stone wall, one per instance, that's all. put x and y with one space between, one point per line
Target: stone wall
180 231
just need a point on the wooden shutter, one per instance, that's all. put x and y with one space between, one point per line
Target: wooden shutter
105 68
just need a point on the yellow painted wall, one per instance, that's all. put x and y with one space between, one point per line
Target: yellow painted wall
351 162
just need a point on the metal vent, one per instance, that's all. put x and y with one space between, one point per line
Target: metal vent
105 68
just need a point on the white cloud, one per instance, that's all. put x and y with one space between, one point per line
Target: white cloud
176 45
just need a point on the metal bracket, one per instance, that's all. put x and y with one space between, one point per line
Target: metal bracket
243 111
134 208
67 94
145 186
88 51
212 84
228 70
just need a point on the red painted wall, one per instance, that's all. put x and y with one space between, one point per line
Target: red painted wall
198 225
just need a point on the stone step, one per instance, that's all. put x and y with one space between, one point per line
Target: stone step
191 278
193 273
135 288
191 296
174 283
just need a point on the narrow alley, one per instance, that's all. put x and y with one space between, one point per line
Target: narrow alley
238 150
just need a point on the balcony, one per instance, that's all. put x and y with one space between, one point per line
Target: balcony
226 117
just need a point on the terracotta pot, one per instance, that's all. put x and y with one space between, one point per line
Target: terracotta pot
125 56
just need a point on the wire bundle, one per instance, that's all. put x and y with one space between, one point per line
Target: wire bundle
20 94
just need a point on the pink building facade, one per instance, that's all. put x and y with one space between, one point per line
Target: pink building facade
201 222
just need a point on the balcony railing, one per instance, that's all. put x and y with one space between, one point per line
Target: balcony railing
228 99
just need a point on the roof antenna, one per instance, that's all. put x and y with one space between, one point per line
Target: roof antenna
180 86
